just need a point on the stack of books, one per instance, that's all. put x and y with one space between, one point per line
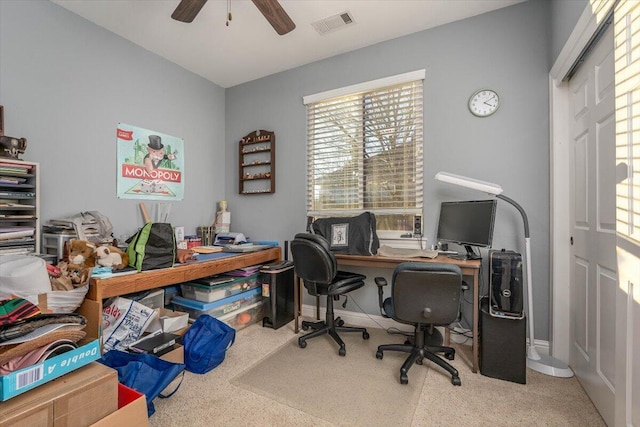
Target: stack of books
157 343
244 272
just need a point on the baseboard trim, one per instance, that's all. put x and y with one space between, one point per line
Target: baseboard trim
354 318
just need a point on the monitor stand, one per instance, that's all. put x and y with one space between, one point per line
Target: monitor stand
468 256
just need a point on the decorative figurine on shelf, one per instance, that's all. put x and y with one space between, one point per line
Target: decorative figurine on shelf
12 147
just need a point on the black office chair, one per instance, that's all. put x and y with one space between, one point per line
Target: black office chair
317 267
424 294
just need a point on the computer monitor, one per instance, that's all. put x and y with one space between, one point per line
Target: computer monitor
467 223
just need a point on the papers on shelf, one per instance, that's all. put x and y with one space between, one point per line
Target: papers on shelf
245 247
7 233
206 249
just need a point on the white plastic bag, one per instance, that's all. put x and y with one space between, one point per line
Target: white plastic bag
123 321
66 301
24 276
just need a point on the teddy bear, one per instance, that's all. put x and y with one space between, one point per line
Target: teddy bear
80 253
110 256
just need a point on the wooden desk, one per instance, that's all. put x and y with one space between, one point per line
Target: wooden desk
100 289
469 268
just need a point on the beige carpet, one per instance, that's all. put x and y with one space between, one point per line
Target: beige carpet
354 390
219 399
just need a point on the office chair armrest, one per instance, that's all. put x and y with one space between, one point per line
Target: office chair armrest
380 282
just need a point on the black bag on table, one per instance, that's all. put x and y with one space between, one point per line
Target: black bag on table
349 235
153 246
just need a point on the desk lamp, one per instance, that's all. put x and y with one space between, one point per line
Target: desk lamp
542 363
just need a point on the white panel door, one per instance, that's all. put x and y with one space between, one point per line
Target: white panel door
593 273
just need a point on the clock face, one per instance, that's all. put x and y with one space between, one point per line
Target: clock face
484 103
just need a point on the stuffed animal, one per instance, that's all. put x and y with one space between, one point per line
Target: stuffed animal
110 256
81 253
67 276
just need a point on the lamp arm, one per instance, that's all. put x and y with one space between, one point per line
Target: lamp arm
532 353
517 206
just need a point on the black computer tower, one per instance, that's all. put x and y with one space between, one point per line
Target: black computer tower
506 284
277 291
503 346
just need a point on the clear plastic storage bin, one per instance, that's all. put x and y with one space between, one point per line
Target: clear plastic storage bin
199 291
217 308
244 317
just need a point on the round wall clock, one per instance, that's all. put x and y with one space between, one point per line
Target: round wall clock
484 103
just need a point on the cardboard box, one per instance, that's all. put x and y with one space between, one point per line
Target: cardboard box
132 410
33 376
77 399
176 355
169 321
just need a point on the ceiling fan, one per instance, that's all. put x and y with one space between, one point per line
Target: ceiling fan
271 9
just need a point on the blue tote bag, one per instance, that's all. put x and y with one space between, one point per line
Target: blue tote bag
206 343
145 373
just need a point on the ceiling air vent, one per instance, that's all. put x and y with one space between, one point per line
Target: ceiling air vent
333 23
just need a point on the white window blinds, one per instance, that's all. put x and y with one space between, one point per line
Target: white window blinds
364 151
627 68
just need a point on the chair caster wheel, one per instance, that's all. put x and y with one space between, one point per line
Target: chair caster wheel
379 355
365 335
407 342
456 381
404 379
419 361
339 322
342 351
302 344
450 356
305 327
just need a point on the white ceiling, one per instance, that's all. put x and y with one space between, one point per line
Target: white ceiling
249 48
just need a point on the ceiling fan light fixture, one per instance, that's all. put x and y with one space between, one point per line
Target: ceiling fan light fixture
187 10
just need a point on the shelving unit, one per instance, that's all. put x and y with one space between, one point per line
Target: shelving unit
257 163
19 206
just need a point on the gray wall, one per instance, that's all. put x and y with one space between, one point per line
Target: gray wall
506 50
66 83
564 16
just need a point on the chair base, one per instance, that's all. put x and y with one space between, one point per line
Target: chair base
330 326
418 352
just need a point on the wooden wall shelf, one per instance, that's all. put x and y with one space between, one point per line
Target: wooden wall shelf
257 163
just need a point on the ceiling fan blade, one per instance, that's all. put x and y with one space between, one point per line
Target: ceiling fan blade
187 10
276 15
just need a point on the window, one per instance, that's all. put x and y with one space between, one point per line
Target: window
627 61
364 151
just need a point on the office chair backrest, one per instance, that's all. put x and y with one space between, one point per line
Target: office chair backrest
312 259
426 292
